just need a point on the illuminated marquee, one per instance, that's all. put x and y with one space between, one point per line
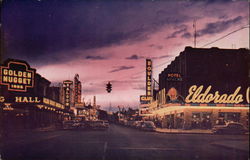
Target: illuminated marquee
52 103
17 75
148 77
67 97
144 99
196 96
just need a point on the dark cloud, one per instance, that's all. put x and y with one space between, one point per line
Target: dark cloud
160 57
95 58
186 35
156 46
180 29
219 26
127 81
120 68
134 57
218 1
166 56
44 30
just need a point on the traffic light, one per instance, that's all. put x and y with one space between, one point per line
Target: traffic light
109 87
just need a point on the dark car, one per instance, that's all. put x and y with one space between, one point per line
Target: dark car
97 125
138 124
230 128
69 124
148 126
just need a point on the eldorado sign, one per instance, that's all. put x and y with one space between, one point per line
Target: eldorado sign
196 96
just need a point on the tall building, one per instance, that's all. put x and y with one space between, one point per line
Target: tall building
94 102
201 88
27 100
223 69
77 89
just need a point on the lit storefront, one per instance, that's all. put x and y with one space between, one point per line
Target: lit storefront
24 98
202 88
201 116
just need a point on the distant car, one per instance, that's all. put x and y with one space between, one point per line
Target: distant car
138 124
130 123
230 128
148 126
97 125
83 125
106 124
69 124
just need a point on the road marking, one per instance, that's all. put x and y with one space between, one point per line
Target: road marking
37 140
152 148
104 150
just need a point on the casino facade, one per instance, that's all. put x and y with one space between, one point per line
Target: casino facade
202 87
27 100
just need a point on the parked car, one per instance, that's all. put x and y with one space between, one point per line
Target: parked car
130 123
83 125
148 126
230 128
138 124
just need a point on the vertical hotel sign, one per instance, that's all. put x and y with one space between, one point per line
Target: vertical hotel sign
77 89
17 75
67 97
148 78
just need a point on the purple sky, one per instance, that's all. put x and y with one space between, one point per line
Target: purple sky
109 40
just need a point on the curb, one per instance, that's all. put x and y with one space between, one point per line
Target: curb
182 132
228 147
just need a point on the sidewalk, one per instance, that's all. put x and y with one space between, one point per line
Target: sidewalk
237 145
192 131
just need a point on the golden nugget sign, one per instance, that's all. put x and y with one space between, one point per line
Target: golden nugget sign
17 75
197 96
148 77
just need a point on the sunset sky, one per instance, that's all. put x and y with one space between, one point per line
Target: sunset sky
109 40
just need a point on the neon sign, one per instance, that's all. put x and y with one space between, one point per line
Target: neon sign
77 89
196 96
67 97
145 99
27 100
174 77
17 75
148 77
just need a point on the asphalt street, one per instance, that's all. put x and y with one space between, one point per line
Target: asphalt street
118 143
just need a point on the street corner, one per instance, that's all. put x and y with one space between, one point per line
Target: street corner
182 131
235 145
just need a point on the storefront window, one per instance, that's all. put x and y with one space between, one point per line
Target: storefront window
225 117
180 120
201 120
247 120
206 121
195 120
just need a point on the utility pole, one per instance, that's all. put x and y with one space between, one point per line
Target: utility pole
194 26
